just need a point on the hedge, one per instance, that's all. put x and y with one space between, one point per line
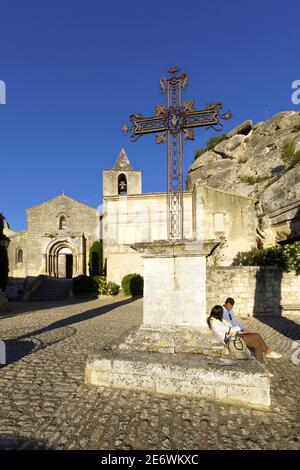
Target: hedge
133 284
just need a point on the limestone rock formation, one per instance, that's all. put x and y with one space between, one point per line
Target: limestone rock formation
249 162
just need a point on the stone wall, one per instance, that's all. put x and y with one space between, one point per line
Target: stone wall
133 219
43 219
15 287
256 290
209 214
230 217
17 265
290 289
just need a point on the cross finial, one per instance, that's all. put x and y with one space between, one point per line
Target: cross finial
173 71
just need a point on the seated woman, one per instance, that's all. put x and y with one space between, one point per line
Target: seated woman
254 341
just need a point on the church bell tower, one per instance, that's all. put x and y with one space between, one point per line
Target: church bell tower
122 180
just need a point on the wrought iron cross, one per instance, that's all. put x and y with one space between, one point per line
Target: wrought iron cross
173 122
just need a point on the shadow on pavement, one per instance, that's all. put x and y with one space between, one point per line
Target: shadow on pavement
19 443
19 307
283 325
17 349
80 317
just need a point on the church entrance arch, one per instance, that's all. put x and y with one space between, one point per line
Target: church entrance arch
62 259
65 263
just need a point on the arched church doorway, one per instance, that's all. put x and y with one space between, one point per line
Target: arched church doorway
61 259
65 263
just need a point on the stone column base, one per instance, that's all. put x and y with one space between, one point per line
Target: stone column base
179 362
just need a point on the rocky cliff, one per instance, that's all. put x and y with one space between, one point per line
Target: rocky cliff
254 161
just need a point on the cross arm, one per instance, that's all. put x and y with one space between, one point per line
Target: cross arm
206 117
145 125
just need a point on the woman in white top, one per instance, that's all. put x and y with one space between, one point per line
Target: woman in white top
254 341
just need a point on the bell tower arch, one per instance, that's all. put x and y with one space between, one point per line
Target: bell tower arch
122 179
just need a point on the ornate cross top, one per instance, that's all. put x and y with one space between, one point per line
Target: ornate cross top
173 122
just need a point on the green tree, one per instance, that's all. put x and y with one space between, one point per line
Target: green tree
3 257
96 259
3 268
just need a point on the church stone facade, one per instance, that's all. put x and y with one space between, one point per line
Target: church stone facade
61 231
131 216
57 240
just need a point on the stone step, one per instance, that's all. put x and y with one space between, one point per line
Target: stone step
178 361
48 299
53 289
45 290
190 375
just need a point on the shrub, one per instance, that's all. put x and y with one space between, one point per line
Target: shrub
210 145
288 151
292 256
112 288
102 284
84 283
289 154
97 279
133 284
199 152
286 257
253 179
106 288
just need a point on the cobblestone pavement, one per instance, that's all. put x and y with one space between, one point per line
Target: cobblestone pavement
45 404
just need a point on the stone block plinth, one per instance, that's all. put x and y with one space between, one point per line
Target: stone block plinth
155 361
175 282
173 352
179 361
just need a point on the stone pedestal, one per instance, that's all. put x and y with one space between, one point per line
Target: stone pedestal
173 351
175 282
179 361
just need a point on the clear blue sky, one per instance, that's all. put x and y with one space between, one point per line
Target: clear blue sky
76 69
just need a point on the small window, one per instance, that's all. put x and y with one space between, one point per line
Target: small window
122 184
19 255
62 223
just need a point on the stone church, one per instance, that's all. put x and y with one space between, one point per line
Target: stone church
131 216
61 231
56 242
